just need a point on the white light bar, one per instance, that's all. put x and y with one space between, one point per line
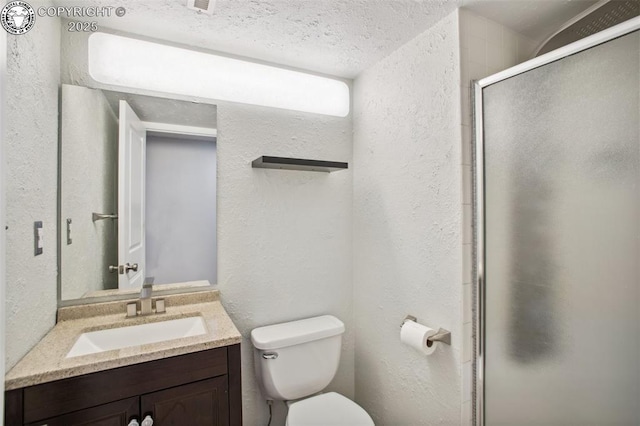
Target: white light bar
128 62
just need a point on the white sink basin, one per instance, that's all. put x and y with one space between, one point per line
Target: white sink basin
135 335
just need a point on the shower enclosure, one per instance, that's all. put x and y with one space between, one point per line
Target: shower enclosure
557 209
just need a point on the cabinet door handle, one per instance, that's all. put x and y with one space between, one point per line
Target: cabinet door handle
148 421
133 422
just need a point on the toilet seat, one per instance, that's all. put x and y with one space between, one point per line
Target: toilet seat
327 409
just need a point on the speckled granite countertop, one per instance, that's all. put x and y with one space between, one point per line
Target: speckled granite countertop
46 362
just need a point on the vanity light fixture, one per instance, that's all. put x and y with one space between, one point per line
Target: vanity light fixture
128 62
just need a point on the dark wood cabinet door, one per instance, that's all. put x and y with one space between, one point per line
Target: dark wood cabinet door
117 413
203 403
48 400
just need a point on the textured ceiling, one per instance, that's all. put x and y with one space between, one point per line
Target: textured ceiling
336 37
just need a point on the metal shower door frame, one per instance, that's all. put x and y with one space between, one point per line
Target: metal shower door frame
478 191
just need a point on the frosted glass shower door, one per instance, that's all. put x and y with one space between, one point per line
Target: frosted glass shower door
562 241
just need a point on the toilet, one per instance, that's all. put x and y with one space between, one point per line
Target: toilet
295 361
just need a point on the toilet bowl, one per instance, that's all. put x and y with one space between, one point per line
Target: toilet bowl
295 361
327 409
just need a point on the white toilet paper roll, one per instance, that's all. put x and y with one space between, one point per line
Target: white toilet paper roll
416 335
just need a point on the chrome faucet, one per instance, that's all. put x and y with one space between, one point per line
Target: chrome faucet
146 302
145 297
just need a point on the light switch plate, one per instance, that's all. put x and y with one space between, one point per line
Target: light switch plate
37 238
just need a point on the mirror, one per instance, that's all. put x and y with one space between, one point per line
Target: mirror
137 193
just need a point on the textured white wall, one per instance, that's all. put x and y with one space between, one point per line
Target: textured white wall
89 183
407 228
284 237
180 209
31 148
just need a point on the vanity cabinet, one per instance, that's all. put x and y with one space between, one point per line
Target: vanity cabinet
200 403
197 389
112 414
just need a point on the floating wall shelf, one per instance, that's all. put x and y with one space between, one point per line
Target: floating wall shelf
266 162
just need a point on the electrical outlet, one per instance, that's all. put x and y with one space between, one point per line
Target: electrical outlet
38 238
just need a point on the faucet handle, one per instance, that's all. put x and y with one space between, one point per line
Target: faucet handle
132 309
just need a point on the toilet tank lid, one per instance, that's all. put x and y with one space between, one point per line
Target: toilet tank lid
296 332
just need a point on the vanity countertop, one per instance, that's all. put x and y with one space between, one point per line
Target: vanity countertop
47 361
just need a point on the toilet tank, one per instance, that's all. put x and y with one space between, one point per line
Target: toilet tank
298 358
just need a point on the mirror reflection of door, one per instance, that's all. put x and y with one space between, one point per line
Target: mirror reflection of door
131 198
137 188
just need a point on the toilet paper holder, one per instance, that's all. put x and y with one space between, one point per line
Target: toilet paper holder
443 336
